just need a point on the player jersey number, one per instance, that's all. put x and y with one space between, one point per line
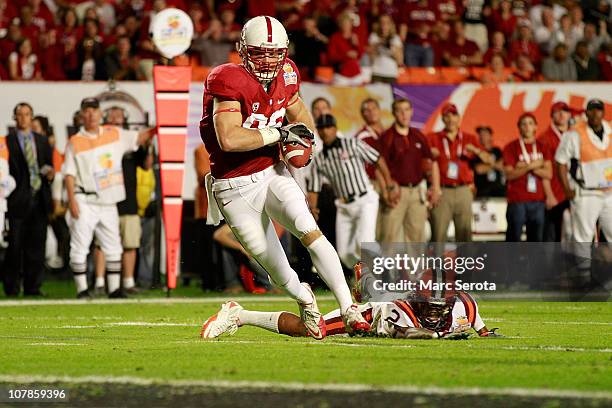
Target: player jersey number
260 121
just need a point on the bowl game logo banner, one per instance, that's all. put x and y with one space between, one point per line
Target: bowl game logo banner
499 106
172 31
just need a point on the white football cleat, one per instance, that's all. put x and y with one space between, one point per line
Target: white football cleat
311 317
354 322
225 321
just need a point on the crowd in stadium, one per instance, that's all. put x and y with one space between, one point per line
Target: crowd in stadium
367 40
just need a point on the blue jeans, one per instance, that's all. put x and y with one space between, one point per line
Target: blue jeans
529 214
418 56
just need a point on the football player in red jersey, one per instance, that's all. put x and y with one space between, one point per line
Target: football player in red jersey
249 186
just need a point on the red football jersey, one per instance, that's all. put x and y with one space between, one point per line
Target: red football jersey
232 82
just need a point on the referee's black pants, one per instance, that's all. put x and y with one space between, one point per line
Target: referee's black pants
25 255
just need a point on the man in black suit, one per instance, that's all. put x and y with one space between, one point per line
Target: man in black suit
30 164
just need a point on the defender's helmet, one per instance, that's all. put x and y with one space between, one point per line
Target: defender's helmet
263 47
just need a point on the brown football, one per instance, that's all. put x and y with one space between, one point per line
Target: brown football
297 155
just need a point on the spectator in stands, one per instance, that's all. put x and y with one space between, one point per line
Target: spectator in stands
543 33
460 51
344 51
524 71
605 61
447 9
489 177
106 13
230 28
213 45
559 66
556 203
309 43
453 150
29 205
385 50
120 64
565 34
7 13
503 20
41 15
593 39
536 12
587 67
91 63
474 16
577 21
69 35
9 43
497 47
28 28
358 12
439 39
418 51
526 163
409 158
23 63
497 72
524 44
50 57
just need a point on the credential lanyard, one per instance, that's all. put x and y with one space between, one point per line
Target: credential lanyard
459 146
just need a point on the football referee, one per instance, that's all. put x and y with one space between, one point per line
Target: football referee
342 162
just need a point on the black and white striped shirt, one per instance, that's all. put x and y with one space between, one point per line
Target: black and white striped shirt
343 164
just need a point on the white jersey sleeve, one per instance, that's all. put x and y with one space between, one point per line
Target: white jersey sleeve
69 168
569 148
129 140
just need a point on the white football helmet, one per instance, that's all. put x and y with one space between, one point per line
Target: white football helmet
263 47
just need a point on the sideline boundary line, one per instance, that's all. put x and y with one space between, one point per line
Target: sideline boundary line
298 386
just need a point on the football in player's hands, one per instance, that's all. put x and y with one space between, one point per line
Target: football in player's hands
296 133
296 154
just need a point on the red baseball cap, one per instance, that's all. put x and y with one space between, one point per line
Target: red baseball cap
559 106
450 108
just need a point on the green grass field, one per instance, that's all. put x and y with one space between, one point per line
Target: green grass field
549 348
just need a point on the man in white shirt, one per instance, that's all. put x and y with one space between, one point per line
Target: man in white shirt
94 183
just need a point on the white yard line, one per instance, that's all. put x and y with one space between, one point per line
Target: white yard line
234 386
54 344
203 300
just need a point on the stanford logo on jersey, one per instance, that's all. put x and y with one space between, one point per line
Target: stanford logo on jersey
255 106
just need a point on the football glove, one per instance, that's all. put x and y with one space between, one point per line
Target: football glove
456 335
491 333
296 133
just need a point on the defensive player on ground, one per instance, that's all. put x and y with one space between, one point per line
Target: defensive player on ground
418 317
243 111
